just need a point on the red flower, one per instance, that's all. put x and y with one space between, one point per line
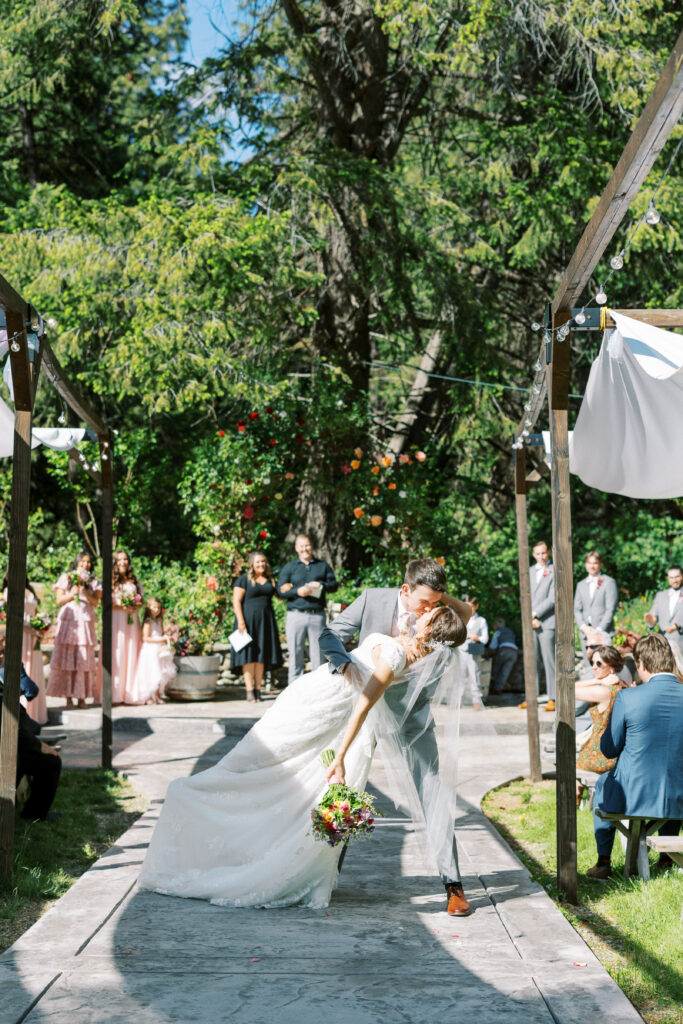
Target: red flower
221 433
301 422
248 512
299 438
213 487
253 415
263 534
272 442
241 424
190 616
248 482
269 409
344 606
241 427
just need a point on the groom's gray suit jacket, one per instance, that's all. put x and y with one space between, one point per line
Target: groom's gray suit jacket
373 612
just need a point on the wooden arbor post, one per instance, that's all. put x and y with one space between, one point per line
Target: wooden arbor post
106 458
650 134
16 313
527 627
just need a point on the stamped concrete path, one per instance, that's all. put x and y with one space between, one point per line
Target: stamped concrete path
384 951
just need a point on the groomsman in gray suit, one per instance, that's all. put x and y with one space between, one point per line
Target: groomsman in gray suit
595 602
667 612
542 580
392 611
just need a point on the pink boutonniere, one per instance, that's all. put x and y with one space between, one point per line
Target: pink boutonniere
546 572
599 583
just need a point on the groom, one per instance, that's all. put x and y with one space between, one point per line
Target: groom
394 612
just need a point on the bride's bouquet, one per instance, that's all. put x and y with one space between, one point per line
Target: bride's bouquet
343 813
130 598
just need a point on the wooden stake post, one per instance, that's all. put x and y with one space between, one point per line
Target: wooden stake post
528 645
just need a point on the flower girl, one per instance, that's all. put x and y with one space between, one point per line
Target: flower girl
155 667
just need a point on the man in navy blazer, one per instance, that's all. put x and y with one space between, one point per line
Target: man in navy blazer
646 733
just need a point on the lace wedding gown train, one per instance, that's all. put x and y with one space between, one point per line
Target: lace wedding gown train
239 833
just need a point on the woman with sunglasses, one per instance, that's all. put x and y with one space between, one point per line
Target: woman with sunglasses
600 693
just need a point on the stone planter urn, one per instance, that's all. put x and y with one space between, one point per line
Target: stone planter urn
197 677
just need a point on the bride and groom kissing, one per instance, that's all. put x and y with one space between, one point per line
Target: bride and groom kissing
238 834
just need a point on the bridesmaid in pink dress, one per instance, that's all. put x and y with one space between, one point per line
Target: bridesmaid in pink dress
72 666
31 654
125 630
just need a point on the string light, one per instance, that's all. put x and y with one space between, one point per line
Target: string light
601 297
527 422
617 262
535 326
15 346
580 317
61 418
537 366
652 216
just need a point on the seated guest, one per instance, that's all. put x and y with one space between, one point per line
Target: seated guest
39 762
505 651
600 692
645 733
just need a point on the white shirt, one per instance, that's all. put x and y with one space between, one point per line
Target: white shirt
592 585
674 596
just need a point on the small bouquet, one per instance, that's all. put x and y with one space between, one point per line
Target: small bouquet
77 579
130 598
343 813
40 623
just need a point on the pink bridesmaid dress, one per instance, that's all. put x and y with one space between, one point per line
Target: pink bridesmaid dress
125 647
32 659
72 666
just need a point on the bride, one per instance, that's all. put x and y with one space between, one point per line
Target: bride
239 834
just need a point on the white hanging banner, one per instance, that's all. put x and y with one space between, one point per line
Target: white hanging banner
627 438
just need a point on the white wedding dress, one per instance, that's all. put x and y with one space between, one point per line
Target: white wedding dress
239 834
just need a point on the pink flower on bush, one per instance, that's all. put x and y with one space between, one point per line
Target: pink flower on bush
345 469
212 583
420 456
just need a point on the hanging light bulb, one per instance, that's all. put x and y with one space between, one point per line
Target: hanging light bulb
535 326
580 317
547 337
601 297
562 332
527 406
527 422
536 390
617 262
537 366
15 346
86 465
652 216
61 418
104 457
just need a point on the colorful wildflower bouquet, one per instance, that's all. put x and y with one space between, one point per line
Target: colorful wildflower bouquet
77 579
130 598
40 623
343 813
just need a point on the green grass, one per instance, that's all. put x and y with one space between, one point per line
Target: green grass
633 927
96 807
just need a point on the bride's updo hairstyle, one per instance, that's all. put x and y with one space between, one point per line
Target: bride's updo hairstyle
446 629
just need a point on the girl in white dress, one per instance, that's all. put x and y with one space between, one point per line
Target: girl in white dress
155 667
239 834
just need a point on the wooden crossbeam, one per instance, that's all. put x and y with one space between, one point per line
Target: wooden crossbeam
597 318
11 302
653 128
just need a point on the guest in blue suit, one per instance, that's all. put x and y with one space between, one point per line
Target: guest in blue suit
646 733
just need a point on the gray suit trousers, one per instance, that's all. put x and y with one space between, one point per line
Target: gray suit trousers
544 646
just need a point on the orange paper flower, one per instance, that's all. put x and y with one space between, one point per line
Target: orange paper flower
375 469
289 476
376 520
355 464
440 560
392 487
387 460
358 513
358 452
375 491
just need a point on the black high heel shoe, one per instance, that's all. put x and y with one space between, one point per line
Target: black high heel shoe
257 695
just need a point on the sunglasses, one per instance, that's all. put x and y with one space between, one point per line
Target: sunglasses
596 663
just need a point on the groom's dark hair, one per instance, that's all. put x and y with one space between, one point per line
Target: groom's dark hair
427 573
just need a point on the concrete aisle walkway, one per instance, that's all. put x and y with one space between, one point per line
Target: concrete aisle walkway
384 951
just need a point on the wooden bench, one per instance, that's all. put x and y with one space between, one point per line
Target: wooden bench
636 831
673 845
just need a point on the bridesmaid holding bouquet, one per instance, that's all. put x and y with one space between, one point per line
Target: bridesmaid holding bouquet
72 666
31 655
125 630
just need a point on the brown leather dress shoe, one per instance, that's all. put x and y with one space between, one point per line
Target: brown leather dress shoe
457 904
601 871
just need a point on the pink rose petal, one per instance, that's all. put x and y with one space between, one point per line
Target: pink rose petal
255 959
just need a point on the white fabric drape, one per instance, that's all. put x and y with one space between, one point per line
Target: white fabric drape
60 438
629 429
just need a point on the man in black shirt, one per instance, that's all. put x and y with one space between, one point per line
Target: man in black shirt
304 584
40 762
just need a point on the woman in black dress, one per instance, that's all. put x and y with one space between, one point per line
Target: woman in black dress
252 595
